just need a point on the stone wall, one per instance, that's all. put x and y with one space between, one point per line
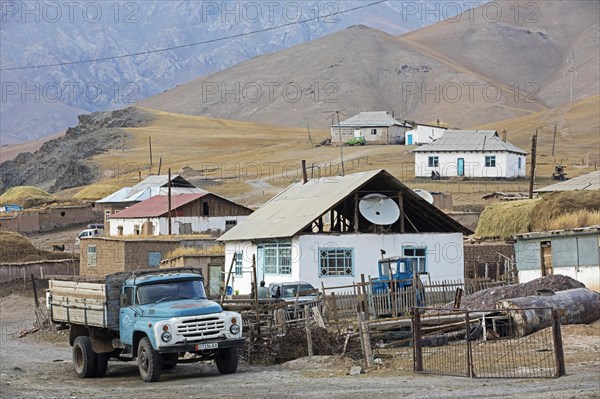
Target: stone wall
40 220
40 269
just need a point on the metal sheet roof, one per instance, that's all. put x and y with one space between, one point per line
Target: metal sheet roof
365 119
117 196
156 206
590 181
296 207
151 186
470 140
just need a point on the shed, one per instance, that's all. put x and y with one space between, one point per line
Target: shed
376 127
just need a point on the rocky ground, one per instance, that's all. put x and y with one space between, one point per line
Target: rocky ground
63 162
39 365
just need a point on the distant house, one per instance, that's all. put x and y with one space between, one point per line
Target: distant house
147 188
376 127
572 253
190 214
424 134
316 232
589 181
470 153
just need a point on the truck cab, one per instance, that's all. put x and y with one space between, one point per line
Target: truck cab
403 272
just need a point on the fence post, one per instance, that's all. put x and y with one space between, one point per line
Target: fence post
309 343
364 296
469 352
558 347
365 339
334 306
416 327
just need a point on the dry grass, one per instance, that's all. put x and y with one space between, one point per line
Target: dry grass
15 247
96 191
26 196
569 220
182 251
504 220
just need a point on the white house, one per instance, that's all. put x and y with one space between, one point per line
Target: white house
423 134
190 214
470 153
315 232
376 127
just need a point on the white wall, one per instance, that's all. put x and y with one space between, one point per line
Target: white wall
161 225
425 134
506 164
445 256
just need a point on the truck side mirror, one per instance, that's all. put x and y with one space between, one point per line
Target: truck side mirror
124 301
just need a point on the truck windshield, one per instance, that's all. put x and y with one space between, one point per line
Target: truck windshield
170 291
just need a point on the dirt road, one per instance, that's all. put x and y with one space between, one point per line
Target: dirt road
39 365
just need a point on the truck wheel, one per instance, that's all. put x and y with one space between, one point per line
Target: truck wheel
227 360
148 361
169 361
84 358
101 364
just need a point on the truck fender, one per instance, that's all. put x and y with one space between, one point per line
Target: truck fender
77 330
141 332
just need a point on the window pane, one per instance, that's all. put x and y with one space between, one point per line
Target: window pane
336 262
238 263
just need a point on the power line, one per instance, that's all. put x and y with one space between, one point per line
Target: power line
114 57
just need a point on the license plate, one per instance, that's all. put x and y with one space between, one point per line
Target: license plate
207 346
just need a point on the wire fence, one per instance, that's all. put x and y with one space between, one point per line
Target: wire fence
485 344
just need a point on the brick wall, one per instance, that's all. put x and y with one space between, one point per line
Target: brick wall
480 253
48 219
41 269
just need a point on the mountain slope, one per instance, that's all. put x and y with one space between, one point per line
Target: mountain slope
353 70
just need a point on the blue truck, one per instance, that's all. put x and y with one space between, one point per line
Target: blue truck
403 272
157 317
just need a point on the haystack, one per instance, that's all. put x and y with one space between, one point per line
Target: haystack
26 196
504 220
95 192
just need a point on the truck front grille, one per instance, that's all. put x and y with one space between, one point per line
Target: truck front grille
201 328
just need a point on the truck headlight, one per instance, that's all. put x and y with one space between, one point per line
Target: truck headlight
166 336
234 329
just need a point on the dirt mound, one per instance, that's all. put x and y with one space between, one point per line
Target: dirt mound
26 196
15 247
486 299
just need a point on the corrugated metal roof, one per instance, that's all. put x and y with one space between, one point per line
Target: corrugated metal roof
156 206
590 181
151 186
470 140
299 205
117 196
366 119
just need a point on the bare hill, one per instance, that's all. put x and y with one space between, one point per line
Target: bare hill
356 69
470 72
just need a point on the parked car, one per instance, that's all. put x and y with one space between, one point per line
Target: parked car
360 140
296 294
88 233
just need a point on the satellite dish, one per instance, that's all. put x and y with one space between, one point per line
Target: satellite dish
426 195
379 209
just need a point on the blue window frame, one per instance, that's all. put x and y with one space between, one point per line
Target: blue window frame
238 263
336 262
418 253
276 257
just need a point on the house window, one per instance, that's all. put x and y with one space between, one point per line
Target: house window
374 132
91 256
136 230
238 264
229 224
185 228
119 230
276 257
490 161
154 259
205 209
433 162
336 262
106 215
418 253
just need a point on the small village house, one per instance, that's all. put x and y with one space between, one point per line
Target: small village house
424 134
212 266
376 127
315 232
574 253
147 188
205 213
470 154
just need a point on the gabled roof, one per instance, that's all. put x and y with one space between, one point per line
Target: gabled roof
590 181
296 207
156 206
367 119
151 186
470 140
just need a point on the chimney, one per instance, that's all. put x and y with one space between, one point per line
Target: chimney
438 121
504 135
304 174
392 113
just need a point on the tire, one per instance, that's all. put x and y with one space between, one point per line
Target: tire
101 364
84 358
148 361
169 362
227 360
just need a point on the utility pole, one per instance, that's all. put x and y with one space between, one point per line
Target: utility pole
169 202
554 139
532 173
333 115
572 71
310 142
150 147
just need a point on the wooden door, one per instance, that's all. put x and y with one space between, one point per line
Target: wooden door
546 258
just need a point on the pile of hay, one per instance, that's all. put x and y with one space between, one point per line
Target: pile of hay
26 196
15 248
95 192
181 251
557 211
